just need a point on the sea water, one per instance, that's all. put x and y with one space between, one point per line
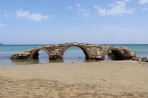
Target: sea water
72 54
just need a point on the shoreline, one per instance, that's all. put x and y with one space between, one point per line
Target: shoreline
110 79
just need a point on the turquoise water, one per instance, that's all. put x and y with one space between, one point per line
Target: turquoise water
72 54
6 51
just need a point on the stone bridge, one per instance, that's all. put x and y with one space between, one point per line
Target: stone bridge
91 51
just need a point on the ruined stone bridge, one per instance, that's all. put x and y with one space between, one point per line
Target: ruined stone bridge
91 51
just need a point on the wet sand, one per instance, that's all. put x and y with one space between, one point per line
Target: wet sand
106 79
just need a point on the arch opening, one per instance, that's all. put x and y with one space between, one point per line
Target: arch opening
115 55
107 57
75 54
41 56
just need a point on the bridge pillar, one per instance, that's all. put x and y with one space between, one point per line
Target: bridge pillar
55 53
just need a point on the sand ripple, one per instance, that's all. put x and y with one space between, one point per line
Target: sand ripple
42 88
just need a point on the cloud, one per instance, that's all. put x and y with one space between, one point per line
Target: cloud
3 25
82 11
143 2
116 9
30 16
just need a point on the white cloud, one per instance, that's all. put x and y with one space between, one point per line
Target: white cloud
118 8
101 11
3 25
82 11
143 1
30 16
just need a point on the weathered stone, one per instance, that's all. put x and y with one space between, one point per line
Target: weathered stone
136 59
144 59
91 51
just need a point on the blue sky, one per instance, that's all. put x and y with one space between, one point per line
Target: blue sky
60 21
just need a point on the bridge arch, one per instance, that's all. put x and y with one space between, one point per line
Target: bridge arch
35 53
81 47
115 54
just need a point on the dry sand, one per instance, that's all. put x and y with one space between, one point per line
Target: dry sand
106 79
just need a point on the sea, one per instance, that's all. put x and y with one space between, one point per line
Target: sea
72 54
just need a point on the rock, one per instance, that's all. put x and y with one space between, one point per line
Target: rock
136 59
144 59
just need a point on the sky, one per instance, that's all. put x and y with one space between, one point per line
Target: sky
86 21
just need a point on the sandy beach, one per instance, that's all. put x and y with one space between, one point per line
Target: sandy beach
105 79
